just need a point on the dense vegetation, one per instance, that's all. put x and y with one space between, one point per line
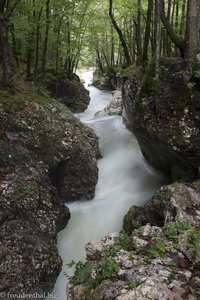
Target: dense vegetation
37 36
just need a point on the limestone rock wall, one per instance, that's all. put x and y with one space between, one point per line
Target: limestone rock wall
151 262
166 119
47 157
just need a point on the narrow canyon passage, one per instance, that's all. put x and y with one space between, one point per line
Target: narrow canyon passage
125 179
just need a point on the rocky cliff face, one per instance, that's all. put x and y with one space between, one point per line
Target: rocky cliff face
166 119
47 157
157 255
151 262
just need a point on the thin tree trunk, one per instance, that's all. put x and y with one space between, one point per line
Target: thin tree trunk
7 71
58 42
183 15
106 60
176 25
147 31
168 41
14 45
37 44
120 34
44 59
29 58
191 35
138 32
177 14
112 57
99 62
68 59
175 39
157 39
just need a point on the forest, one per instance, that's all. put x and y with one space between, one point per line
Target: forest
100 149
37 36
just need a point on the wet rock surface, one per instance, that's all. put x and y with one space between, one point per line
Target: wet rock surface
47 157
115 106
152 262
31 216
165 118
71 93
104 82
179 201
51 134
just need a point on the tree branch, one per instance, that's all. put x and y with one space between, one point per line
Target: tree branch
179 42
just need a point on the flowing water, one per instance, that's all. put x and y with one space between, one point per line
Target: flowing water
125 179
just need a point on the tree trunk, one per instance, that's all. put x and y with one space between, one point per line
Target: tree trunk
14 45
157 39
112 56
30 39
168 41
44 59
147 31
191 40
37 44
120 34
58 42
99 62
175 39
138 32
68 59
29 58
183 15
7 71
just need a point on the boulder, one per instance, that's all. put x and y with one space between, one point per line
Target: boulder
72 93
115 106
165 118
179 202
31 216
51 134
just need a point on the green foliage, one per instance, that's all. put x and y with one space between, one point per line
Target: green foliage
132 284
103 269
197 74
176 232
107 267
157 249
193 246
125 241
82 271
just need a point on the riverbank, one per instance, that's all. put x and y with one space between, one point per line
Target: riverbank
47 158
157 256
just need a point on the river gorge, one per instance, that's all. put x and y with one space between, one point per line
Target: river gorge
125 179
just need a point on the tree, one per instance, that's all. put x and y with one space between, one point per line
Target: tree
191 40
7 71
147 31
120 34
46 38
157 39
178 41
188 45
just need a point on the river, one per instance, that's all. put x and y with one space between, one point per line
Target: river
125 179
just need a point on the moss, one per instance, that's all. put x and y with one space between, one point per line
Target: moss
26 92
24 192
149 84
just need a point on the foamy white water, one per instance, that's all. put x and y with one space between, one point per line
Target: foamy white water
125 179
